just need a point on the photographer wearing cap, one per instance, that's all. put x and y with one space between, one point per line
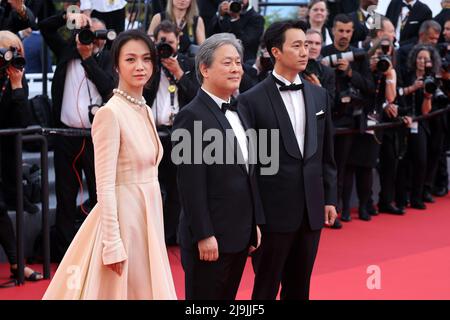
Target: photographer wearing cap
239 18
173 86
82 81
354 85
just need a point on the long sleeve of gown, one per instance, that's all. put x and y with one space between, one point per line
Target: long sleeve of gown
106 138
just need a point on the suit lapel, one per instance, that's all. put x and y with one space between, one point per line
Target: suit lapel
311 122
212 106
284 123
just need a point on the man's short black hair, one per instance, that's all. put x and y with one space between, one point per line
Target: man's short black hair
343 18
275 33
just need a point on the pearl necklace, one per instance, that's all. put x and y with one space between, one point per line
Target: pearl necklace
140 103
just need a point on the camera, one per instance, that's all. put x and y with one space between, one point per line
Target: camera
313 67
384 61
351 97
430 83
236 6
164 49
10 56
86 36
331 61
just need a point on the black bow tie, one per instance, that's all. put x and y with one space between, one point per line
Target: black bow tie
407 5
232 106
285 87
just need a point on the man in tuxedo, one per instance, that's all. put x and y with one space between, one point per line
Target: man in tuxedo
220 201
173 86
407 16
301 197
361 22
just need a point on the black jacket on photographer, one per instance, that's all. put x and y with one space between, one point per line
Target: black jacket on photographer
187 85
14 113
248 28
12 21
98 67
361 79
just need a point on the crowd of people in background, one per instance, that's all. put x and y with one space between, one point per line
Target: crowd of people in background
388 73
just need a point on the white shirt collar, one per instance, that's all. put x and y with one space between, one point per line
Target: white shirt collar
216 99
297 79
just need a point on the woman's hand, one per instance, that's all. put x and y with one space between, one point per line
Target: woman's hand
15 76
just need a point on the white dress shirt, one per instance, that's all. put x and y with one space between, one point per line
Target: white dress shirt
74 109
295 106
235 124
403 15
161 106
102 5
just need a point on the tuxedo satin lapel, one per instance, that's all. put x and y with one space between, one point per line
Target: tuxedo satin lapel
285 125
311 122
212 106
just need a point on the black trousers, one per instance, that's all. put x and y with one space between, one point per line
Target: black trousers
413 169
364 182
67 186
113 20
286 259
435 148
216 280
167 176
342 149
7 236
387 168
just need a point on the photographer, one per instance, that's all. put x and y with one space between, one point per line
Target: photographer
423 64
353 85
82 82
173 86
362 20
14 113
239 18
316 72
15 16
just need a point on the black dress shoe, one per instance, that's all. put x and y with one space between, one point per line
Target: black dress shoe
337 224
427 197
418 205
390 208
345 216
363 214
440 192
372 210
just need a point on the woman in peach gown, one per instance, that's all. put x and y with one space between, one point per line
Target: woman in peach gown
119 251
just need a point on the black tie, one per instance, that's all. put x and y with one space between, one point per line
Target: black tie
407 5
285 87
232 106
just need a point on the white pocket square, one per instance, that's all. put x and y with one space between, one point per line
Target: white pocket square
320 113
413 22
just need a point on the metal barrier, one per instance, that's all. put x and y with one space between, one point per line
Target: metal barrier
38 134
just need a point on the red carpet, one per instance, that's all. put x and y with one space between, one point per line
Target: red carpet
412 253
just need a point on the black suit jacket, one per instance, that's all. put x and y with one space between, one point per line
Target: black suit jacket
98 69
302 183
441 18
249 28
220 200
419 13
187 85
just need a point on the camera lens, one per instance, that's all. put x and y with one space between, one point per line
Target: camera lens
86 36
164 50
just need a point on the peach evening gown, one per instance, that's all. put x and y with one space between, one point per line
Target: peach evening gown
127 222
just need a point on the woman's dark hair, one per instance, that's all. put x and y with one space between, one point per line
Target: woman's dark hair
134 34
434 56
274 36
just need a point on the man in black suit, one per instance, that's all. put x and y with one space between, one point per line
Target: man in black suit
407 16
301 196
247 25
220 200
83 78
173 86
443 16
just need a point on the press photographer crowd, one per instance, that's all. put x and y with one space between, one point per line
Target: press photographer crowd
377 70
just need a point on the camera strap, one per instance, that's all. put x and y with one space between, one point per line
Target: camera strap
172 88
